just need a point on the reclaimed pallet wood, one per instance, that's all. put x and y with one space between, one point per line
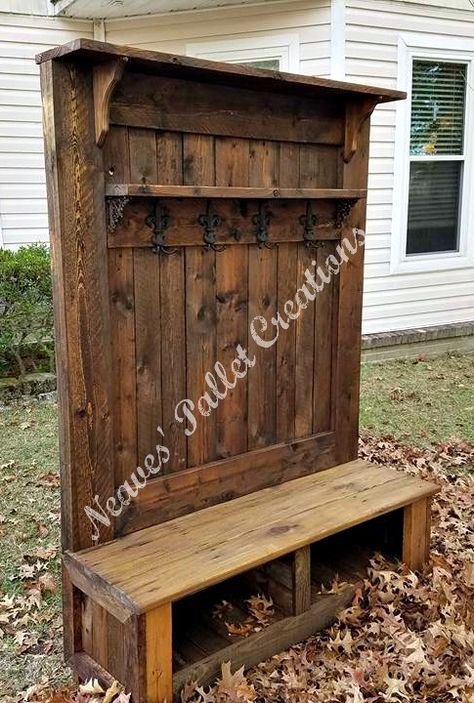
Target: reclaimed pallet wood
207 236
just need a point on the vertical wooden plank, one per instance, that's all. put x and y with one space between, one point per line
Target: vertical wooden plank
75 182
325 333
172 306
100 640
302 580
159 655
416 534
116 155
347 375
232 169
122 311
143 167
199 168
286 344
304 325
264 166
148 333
319 165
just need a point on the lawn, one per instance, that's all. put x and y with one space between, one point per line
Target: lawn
418 404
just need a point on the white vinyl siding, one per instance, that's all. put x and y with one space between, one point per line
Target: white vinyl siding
309 21
394 300
23 207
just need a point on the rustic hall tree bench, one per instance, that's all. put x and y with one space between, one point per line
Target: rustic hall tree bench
206 226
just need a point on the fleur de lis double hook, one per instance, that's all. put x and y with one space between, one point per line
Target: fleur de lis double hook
209 221
309 221
261 220
158 220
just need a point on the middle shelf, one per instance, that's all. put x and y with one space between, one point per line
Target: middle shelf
145 190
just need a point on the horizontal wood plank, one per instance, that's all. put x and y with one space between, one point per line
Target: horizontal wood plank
212 71
236 224
176 191
169 561
202 486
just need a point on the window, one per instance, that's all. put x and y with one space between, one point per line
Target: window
432 217
276 52
436 156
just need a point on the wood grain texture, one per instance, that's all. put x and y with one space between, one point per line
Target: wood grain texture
286 289
200 273
349 316
301 586
269 641
197 107
232 169
228 158
158 655
236 227
211 71
181 556
416 534
205 485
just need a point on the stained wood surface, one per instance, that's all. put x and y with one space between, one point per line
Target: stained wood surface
172 65
236 226
146 190
199 487
269 641
166 562
416 533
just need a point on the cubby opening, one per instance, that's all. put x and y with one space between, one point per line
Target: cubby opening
223 622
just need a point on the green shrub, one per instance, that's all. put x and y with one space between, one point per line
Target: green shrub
26 311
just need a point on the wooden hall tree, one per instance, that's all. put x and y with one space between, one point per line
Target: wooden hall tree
188 201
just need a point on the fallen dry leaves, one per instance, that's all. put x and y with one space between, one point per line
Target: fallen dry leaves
406 636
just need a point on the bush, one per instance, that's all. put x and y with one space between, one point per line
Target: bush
26 311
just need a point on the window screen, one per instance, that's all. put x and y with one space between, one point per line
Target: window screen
436 156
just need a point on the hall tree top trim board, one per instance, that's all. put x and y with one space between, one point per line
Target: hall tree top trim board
172 65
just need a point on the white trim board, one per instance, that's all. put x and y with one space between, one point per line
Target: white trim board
338 39
283 47
410 46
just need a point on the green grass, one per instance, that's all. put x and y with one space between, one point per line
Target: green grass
29 519
420 402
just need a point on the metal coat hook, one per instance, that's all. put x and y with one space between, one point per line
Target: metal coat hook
261 220
309 221
158 221
210 221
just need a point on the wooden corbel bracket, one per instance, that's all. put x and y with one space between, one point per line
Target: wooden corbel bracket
105 77
356 115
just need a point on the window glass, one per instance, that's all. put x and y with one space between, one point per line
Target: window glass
437 133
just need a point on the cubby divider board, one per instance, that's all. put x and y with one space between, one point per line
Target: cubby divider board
193 207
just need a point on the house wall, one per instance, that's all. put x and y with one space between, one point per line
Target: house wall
311 21
365 50
400 301
23 207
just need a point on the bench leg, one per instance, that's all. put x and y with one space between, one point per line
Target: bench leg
158 655
302 580
417 533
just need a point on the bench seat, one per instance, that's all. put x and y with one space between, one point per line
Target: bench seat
137 573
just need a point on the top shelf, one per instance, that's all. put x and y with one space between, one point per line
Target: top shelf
137 190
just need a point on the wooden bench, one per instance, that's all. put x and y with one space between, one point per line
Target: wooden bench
141 575
206 220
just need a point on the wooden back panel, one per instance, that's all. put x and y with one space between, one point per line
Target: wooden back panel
174 317
137 331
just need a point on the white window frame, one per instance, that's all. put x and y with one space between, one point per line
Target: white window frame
410 48
283 47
